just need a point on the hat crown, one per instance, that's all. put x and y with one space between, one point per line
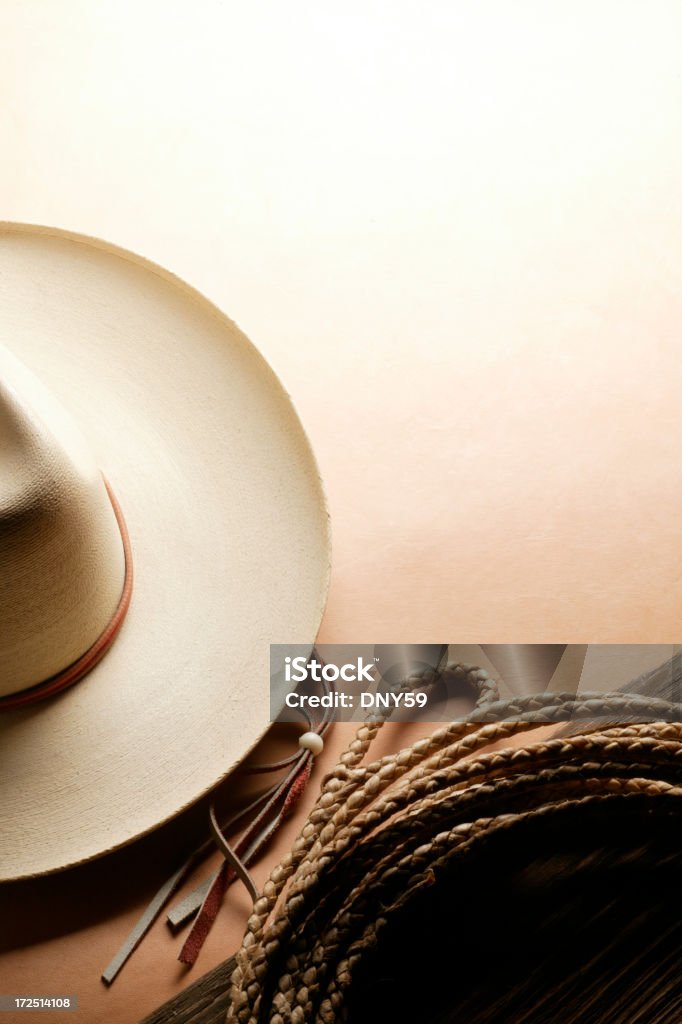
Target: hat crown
62 563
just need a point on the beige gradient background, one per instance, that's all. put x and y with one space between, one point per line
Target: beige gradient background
455 230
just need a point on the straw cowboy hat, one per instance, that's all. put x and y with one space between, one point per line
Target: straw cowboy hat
162 521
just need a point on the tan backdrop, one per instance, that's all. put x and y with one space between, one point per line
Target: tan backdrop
454 230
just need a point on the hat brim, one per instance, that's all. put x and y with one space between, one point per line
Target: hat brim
230 537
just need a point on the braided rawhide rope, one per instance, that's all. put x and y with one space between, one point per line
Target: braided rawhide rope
380 833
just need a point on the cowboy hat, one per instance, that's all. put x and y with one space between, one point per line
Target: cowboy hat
162 520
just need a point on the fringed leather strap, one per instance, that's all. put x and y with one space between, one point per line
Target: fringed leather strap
236 861
270 809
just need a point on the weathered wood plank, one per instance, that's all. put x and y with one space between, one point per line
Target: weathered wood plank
204 1002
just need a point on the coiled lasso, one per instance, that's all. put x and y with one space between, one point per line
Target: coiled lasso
382 835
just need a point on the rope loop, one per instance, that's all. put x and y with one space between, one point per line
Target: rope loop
382 833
